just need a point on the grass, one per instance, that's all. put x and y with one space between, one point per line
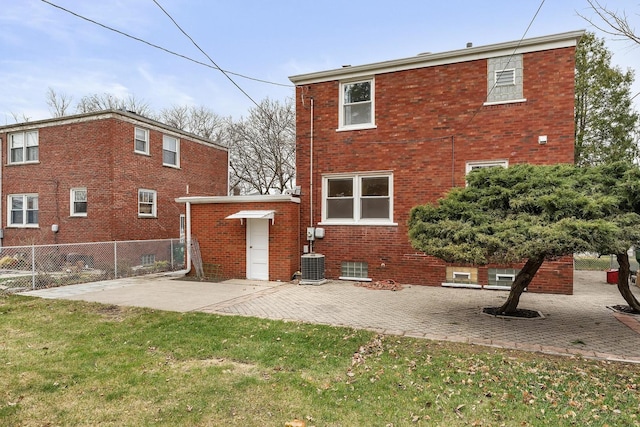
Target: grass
76 363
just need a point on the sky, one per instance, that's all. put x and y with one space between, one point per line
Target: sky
44 47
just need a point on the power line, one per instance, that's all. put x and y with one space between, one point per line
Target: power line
205 54
215 67
508 61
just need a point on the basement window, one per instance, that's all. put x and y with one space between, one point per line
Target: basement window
501 278
354 271
461 277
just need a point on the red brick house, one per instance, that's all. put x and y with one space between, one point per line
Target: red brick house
375 140
104 176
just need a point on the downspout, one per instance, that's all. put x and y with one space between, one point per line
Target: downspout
311 179
187 269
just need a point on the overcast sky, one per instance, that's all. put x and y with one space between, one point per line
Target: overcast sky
45 47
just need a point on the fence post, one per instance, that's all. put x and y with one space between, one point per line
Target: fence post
33 267
171 246
115 259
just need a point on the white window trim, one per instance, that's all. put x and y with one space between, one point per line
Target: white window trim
72 199
147 144
357 177
177 165
24 148
24 211
372 125
485 164
154 208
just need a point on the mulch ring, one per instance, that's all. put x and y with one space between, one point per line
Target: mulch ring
384 285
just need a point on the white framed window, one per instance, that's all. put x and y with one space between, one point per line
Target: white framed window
461 277
362 198
501 278
23 210
141 141
357 105
471 166
147 203
78 202
170 151
23 147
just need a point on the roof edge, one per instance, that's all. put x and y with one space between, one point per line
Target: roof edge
195 200
553 41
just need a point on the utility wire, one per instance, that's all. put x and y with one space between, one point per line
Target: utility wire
508 61
215 67
205 54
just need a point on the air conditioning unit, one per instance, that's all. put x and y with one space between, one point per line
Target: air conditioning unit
312 269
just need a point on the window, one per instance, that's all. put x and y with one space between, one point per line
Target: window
147 203
358 198
78 202
505 80
501 278
141 141
23 147
148 259
357 105
23 210
461 277
170 151
354 270
471 166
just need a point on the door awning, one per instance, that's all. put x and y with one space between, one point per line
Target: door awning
253 214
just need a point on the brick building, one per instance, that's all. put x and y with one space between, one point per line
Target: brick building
375 140
104 176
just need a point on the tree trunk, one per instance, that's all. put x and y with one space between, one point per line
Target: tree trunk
623 281
521 281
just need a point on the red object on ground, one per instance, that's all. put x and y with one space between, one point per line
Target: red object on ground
612 277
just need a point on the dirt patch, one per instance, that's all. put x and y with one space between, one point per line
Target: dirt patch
384 285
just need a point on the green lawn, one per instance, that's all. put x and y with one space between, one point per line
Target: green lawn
74 363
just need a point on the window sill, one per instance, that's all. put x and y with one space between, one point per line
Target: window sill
32 226
461 285
78 216
147 216
355 279
142 153
35 162
357 127
376 224
510 101
170 166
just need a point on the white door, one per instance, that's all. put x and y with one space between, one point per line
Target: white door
258 249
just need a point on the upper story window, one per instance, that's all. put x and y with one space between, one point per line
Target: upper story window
147 203
23 210
505 76
358 199
23 147
471 166
357 105
78 202
170 151
141 141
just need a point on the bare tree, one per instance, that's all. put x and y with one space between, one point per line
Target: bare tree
262 149
614 23
107 101
59 103
200 121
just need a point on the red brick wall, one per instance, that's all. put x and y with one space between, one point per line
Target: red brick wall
99 155
430 122
223 241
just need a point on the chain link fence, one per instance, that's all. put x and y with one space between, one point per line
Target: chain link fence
601 262
46 266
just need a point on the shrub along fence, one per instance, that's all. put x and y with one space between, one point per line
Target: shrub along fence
45 266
